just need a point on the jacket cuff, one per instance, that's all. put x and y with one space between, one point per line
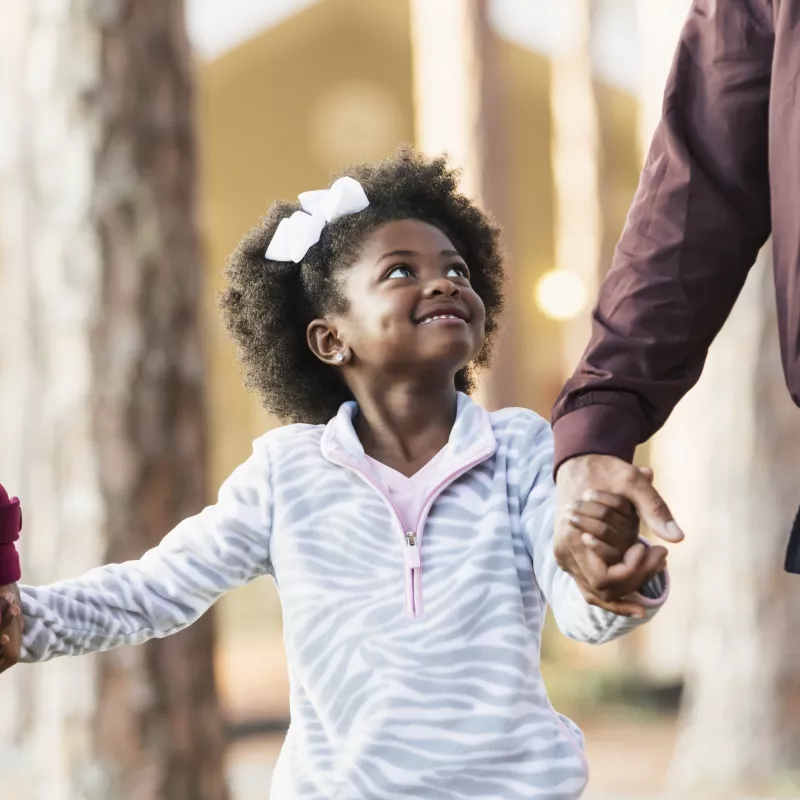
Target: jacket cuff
10 571
654 593
10 526
601 429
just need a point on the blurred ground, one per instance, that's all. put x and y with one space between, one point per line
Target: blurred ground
628 759
628 750
630 732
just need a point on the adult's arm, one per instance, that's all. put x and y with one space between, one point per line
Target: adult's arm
698 219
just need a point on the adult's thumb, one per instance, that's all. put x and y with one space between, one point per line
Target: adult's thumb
654 512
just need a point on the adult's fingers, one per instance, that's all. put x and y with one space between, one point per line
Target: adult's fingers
624 608
5 620
593 568
608 585
9 610
620 575
654 562
627 576
652 509
640 563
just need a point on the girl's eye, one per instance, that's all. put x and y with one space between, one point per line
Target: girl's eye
400 272
459 270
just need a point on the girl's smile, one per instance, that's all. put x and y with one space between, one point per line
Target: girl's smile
442 317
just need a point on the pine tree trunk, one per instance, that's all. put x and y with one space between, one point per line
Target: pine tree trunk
459 111
681 478
575 153
101 382
738 719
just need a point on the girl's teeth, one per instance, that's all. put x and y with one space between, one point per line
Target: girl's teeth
438 316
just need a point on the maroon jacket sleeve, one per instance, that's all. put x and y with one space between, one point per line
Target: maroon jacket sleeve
10 526
698 219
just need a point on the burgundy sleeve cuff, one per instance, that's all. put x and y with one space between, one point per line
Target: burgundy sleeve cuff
601 428
10 526
10 570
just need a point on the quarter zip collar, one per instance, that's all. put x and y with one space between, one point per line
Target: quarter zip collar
471 437
471 441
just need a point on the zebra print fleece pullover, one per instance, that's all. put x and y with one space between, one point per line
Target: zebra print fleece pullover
413 655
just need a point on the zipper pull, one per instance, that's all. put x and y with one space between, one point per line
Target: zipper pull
412 551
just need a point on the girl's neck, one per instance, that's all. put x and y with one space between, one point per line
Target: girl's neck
405 426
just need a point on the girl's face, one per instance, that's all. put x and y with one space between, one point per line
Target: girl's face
412 313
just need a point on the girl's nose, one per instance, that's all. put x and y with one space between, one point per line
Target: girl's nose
442 287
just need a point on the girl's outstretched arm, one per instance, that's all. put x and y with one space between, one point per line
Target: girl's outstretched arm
169 587
576 618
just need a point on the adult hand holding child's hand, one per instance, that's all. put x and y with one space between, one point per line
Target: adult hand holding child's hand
11 626
607 561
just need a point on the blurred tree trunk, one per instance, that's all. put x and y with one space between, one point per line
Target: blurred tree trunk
575 153
575 157
727 463
101 382
681 478
740 718
458 95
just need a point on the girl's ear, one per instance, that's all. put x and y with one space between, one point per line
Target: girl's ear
325 343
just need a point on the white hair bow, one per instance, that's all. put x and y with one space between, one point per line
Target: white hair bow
297 233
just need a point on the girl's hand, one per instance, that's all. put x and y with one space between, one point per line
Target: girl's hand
11 625
609 528
608 524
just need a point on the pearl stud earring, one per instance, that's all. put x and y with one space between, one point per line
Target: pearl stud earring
339 357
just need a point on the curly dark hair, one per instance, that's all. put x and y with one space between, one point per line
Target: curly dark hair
269 304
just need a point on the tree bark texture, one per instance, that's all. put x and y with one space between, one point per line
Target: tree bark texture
740 716
458 97
102 380
575 153
680 477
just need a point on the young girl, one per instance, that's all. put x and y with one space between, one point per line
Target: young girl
408 530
